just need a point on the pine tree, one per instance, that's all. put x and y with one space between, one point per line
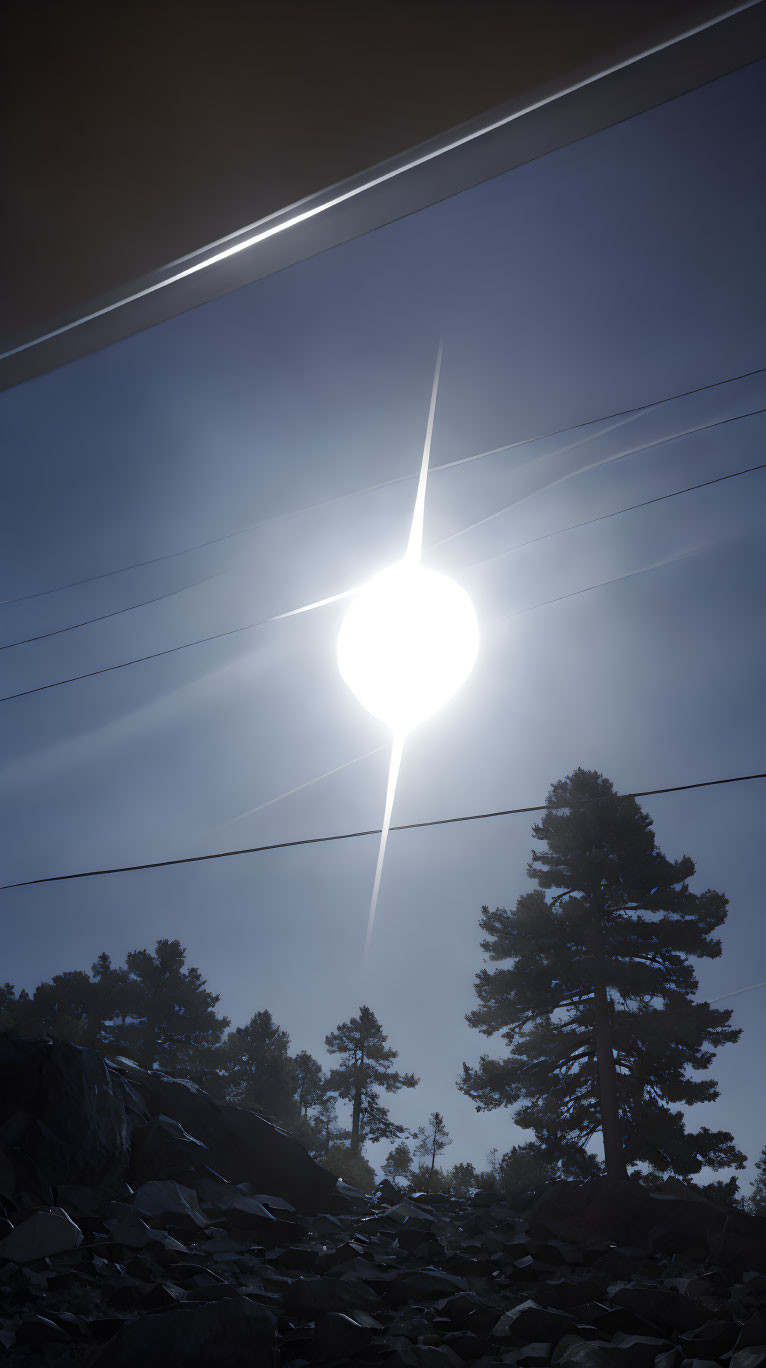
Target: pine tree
611 941
756 1202
86 1009
170 1020
367 1066
463 1179
310 1082
255 1069
14 1009
431 1140
397 1164
351 1166
321 1131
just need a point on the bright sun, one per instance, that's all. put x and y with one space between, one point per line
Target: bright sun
408 641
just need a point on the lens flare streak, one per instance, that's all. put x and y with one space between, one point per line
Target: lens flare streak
413 555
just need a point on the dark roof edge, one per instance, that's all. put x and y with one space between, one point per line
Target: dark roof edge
526 128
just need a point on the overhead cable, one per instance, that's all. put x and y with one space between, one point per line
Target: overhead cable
250 626
375 831
384 484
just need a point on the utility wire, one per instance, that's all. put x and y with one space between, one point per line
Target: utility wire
116 612
376 831
594 465
398 479
659 498
250 626
603 517
169 650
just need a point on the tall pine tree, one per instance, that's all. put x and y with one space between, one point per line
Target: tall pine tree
255 1069
756 1202
170 1020
594 996
366 1067
431 1140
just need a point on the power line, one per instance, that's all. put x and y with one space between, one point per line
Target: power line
629 508
250 626
375 831
398 479
116 612
169 650
602 461
659 498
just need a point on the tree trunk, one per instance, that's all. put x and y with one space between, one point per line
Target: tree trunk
356 1119
607 1077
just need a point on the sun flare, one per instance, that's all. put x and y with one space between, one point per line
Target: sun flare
407 643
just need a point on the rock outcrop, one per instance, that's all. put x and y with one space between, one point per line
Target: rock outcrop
181 1254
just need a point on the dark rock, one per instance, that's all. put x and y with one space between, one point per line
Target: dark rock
163 1149
752 1333
568 1293
226 1200
240 1144
40 1235
77 1130
710 1340
424 1284
619 1319
640 1351
313 1296
233 1333
624 1211
387 1192
698 1363
528 1322
470 1347
671 1359
131 1231
90 1202
408 1355
589 1354
754 1357
167 1203
468 1312
7 1175
39 1331
338 1336
162 1296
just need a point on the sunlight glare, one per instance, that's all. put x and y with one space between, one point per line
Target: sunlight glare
407 643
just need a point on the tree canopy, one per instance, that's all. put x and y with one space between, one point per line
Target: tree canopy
367 1065
594 994
255 1069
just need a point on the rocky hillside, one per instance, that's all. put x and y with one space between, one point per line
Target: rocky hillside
147 1225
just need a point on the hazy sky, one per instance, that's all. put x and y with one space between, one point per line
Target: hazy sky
605 275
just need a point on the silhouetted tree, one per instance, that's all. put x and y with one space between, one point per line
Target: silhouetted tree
366 1066
89 1009
13 1008
756 1201
348 1164
528 1167
397 1164
255 1069
170 1020
722 1193
427 1179
463 1179
310 1082
431 1140
614 938
322 1130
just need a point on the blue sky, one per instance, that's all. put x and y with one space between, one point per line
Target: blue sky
606 275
